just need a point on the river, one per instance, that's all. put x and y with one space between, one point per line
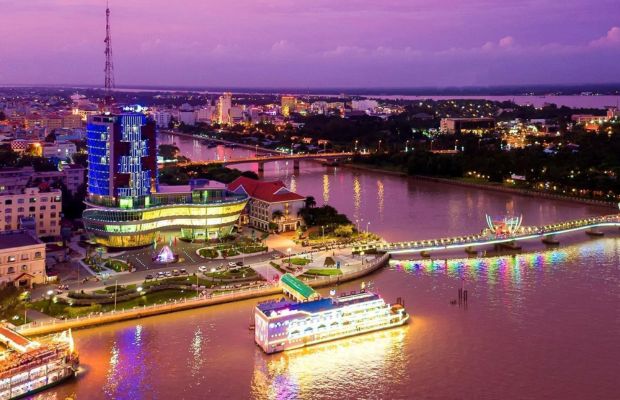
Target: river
543 325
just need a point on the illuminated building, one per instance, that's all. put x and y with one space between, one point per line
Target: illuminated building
122 157
270 202
285 325
22 259
44 206
288 104
126 207
202 210
477 126
224 105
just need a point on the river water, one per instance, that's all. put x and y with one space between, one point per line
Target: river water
536 326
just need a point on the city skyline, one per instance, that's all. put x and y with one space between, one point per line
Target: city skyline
317 44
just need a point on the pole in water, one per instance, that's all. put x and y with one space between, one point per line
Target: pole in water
460 295
465 296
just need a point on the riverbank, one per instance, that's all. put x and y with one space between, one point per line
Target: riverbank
486 186
42 328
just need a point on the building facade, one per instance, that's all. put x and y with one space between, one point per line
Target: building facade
22 259
15 180
122 158
201 211
44 206
126 206
477 126
270 203
224 105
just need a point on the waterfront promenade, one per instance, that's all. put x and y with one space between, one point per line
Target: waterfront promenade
269 289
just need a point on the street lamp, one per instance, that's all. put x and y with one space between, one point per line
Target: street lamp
356 141
407 146
368 223
379 148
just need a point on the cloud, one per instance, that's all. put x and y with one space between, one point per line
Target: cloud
506 42
612 38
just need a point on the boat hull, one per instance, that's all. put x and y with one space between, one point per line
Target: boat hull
290 346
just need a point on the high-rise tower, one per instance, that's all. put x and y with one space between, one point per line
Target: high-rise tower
109 66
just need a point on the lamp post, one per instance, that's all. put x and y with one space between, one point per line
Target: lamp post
367 223
289 255
115 291
407 146
379 148
356 141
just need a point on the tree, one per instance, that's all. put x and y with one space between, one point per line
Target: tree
10 304
310 202
277 215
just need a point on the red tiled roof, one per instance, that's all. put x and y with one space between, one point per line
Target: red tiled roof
271 192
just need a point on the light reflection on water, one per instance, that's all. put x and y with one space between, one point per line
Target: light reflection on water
339 365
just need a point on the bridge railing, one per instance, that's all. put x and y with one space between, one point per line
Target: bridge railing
470 239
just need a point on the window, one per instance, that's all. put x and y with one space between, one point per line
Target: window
8 210
43 199
24 256
20 201
37 254
11 258
24 267
53 215
53 223
8 202
53 206
11 270
20 209
32 209
33 199
7 219
42 208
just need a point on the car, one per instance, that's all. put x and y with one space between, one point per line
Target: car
202 268
161 274
275 256
175 272
148 277
168 274
232 264
239 263
183 271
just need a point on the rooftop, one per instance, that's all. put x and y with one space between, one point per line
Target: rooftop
10 239
316 306
297 285
271 192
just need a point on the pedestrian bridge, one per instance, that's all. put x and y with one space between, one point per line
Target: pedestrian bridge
486 238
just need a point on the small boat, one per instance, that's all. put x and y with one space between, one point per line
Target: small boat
592 232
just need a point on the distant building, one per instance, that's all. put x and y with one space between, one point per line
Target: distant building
267 198
288 104
22 259
224 105
364 105
477 126
187 115
44 206
162 118
17 179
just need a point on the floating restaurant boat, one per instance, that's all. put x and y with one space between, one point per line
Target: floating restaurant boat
28 366
285 325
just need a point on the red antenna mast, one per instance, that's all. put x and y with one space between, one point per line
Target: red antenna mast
109 66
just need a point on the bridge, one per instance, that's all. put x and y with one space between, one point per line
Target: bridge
547 233
261 160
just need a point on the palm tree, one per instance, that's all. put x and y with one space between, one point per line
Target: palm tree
310 202
277 215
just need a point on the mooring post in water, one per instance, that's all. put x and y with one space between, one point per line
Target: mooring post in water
465 296
460 295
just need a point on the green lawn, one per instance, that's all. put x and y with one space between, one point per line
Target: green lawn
62 310
117 265
298 261
324 272
208 253
252 249
235 274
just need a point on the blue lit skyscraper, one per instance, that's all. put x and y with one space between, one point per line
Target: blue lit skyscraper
122 159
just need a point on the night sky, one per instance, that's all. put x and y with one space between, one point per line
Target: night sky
318 43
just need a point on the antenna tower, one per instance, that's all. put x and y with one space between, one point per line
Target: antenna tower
109 66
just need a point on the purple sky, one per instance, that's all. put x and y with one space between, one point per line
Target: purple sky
313 43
